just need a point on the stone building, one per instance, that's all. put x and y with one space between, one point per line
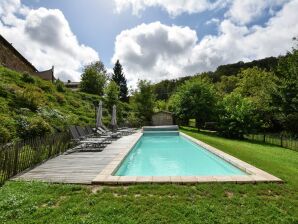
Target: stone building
12 59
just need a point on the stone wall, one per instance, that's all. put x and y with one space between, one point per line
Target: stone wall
10 58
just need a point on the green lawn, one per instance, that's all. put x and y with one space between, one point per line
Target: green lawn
22 202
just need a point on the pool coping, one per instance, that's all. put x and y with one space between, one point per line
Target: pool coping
254 174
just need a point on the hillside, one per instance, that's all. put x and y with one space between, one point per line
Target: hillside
165 88
32 107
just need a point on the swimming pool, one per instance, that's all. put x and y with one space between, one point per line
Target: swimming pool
170 154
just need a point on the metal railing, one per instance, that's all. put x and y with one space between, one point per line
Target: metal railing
275 139
20 155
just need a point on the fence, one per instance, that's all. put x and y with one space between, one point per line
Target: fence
279 140
19 156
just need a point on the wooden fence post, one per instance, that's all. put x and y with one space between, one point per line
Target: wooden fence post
281 141
16 160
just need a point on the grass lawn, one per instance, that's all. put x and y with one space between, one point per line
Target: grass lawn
23 202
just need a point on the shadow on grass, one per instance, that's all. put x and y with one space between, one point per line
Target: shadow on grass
215 134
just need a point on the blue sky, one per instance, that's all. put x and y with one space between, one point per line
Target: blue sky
153 39
96 24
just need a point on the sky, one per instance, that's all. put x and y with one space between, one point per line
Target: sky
153 39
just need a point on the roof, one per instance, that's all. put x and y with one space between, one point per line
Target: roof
9 45
47 75
71 83
163 112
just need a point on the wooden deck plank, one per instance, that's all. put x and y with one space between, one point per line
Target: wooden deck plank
78 167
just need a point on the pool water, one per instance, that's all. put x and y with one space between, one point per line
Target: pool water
169 154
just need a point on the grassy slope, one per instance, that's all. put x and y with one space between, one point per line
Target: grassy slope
22 202
58 109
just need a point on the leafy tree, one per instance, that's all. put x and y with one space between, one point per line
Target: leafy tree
195 99
119 78
160 105
98 66
94 79
286 96
259 85
227 84
112 94
143 101
238 116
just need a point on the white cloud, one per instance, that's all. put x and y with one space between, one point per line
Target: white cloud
155 51
173 7
245 11
239 11
215 21
44 37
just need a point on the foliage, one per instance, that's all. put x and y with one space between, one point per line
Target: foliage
4 134
60 86
286 97
98 66
259 85
160 105
112 94
238 116
94 79
119 78
30 97
195 99
143 101
227 84
26 77
268 64
32 127
32 102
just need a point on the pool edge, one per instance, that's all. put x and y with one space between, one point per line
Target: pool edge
254 174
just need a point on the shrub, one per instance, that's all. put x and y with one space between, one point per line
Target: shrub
60 86
30 98
26 77
60 98
3 91
133 120
7 126
46 86
32 127
4 135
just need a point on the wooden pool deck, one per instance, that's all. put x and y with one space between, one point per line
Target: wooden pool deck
78 167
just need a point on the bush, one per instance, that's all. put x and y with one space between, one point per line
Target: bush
7 126
60 98
3 91
133 120
26 77
60 86
32 127
47 87
30 98
4 135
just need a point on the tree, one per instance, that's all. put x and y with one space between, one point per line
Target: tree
259 85
94 79
227 84
119 78
98 66
112 95
143 101
238 116
286 96
195 99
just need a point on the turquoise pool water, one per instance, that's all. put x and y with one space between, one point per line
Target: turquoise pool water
169 154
